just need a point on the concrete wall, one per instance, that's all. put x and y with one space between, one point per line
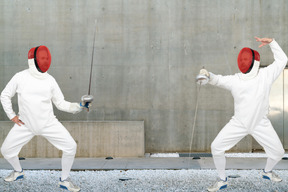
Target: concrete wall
147 54
94 139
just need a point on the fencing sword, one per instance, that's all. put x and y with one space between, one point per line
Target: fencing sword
86 99
201 80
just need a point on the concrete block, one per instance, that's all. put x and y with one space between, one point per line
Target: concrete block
93 138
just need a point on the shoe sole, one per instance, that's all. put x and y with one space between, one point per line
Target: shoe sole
222 187
268 178
64 187
19 177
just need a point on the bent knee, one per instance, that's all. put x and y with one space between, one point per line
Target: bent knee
278 155
216 149
71 150
4 151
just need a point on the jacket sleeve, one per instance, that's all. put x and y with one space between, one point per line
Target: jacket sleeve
7 94
60 103
280 60
224 82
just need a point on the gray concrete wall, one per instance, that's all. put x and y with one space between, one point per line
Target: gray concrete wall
147 54
93 138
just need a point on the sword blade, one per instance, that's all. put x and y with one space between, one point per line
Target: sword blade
89 90
194 123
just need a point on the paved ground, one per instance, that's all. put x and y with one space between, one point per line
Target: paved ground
155 174
192 180
173 163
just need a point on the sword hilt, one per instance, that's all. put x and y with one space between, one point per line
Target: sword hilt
87 99
202 78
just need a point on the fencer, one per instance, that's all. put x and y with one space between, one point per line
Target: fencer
250 89
36 91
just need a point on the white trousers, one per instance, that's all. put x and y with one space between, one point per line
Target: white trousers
234 131
54 132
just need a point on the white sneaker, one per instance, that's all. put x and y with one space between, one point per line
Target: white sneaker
15 175
220 184
271 176
67 184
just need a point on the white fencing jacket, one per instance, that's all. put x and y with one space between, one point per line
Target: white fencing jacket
251 97
35 97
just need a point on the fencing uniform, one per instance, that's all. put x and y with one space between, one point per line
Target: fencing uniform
36 92
251 104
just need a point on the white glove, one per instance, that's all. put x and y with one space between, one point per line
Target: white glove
75 108
204 72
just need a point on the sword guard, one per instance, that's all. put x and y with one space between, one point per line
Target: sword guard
87 98
202 79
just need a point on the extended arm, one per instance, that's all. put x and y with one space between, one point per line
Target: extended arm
217 80
224 82
61 104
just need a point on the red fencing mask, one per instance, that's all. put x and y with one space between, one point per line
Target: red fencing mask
246 59
41 56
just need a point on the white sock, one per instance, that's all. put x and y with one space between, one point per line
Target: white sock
67 162
15 163
270 164
220 164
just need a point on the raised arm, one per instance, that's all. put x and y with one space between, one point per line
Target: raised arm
280 59
264 41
